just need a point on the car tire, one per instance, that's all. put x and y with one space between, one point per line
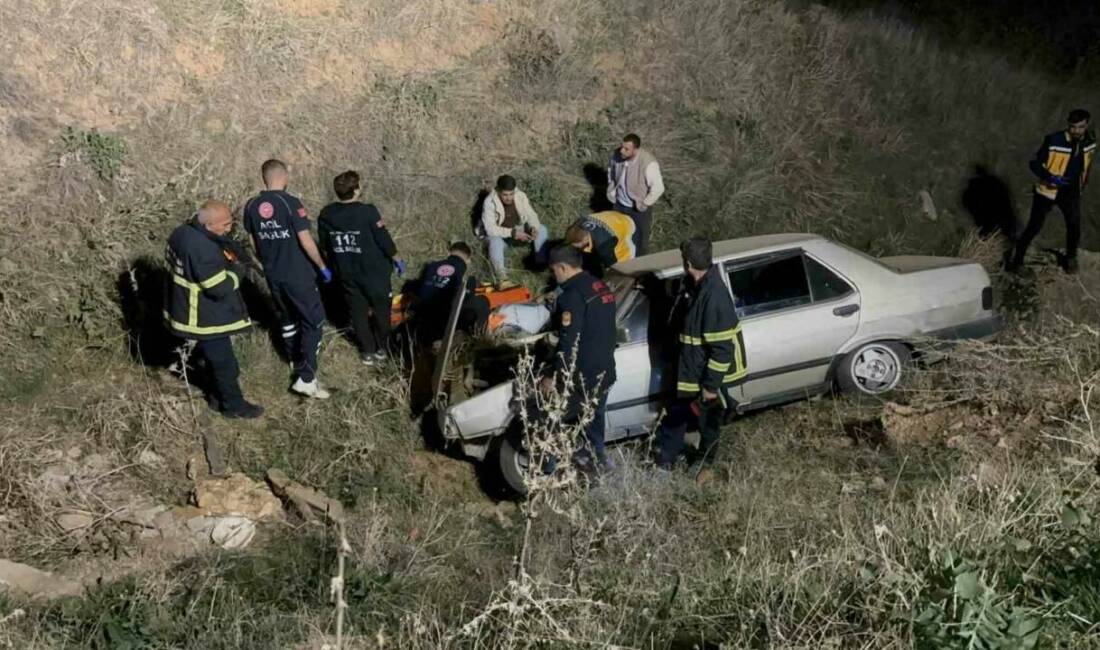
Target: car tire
873 369
511 462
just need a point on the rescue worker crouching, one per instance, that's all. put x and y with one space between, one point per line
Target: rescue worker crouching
204 304
712 360
606 238
585 355
435 291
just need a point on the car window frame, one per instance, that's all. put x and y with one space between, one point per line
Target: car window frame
737 264
852 290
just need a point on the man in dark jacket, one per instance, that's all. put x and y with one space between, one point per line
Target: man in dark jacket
354 238
712 359
204 304
279 226
435 291
585 356
1062 168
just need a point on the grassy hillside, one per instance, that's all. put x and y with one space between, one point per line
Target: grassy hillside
964 517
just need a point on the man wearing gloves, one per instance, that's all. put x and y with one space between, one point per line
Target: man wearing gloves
355 240
279 226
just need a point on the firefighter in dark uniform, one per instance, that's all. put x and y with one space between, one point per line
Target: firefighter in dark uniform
712 359
606 238
354 238
279 226
435 291
204 304
585 356
1062 167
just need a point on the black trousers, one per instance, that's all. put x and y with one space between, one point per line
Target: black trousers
223 373
301 319
681 416
642 220
474 315
370 315
1068 201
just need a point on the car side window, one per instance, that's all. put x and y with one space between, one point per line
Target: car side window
824 284
770 285
632 321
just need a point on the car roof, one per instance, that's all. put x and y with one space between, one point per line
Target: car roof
670 259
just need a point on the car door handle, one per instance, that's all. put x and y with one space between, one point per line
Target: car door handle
846 310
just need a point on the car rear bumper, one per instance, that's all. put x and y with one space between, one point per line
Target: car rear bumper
982 329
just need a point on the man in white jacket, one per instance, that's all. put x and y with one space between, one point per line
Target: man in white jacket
508 218
633 185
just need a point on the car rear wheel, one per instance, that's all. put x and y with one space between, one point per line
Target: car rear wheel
512 463
873 368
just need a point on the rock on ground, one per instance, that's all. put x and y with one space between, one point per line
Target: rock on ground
34 582
236 495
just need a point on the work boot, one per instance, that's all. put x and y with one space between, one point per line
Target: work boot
1071 266
368 360
309 389
247 411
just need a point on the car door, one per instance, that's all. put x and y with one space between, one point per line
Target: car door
643 354
796 313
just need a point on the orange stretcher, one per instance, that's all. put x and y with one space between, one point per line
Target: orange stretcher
400 309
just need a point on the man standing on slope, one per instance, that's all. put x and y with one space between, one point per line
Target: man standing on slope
585 356
279 226
204 305
633 185
354 238
1062 166
712 359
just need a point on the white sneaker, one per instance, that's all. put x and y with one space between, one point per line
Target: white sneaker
309 389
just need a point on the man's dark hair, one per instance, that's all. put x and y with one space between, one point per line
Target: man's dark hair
345 185
698 253
633 137
1079 115
271 166
566 255
506 183
461 247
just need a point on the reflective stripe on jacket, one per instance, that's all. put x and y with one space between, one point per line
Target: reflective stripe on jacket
1054 157
712 349
202 294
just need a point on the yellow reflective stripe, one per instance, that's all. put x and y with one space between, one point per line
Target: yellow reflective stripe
724 335
182 281
687 387
214 280
193 306
690 340
214 329
719 367
735 376
236 280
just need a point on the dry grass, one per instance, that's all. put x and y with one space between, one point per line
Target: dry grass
821 533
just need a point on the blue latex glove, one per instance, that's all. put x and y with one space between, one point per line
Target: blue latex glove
326 275
1058 181
399 264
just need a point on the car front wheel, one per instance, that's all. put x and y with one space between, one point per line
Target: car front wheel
512 462
873 368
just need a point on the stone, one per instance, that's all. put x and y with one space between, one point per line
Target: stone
232 532
140 516
34 582
304 499
74 453
150 458
71 521
927 205
236 494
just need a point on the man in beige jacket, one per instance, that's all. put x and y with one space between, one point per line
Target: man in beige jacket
633 185
508 218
